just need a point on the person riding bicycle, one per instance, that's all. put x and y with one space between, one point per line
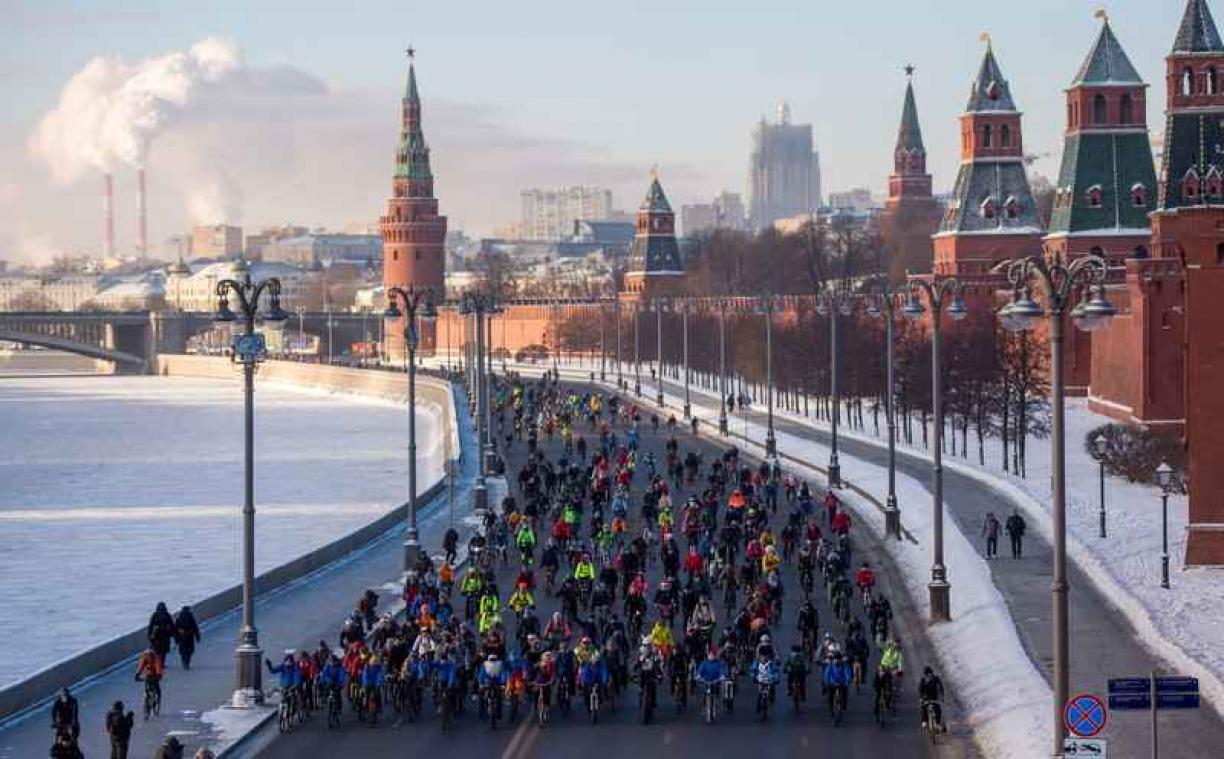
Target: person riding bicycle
372 679
864 580
711 671
702 619
837 678
520 600
765 671
931 692
661 638
891 658
525 539
332 676
490 613
289 675
150 668
584 571
470 587
765 648
796 669
558 630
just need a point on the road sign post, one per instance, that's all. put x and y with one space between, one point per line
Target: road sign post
1153 694
1085 715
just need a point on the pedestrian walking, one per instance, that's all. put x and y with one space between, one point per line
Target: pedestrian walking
1015 530
65 747
990 530
119 727
65 715
161 631
170 749
186 634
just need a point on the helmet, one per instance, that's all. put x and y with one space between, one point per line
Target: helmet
711 655
645 640
586 640
491 657
765 640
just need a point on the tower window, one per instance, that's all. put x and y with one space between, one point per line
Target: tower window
1099 110
1215 184
1126 113
1139 196
1190 184
1187 82
395 255
1093 196
987 209
1005 136
1070 121
1220 253
1211 81
1011 208
987 136
1141 251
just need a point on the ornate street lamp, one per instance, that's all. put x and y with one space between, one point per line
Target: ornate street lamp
1164 478
832 301
412 298
479 305
1100 444
766 306
249 349
658 306
936 293
1059 284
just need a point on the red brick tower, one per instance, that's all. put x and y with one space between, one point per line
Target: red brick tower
992 216
1107 183
910 214
655 266
414 235
1188 226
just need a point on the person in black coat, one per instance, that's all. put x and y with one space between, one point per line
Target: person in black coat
1015 527
161 631
186 634
65 715
119 727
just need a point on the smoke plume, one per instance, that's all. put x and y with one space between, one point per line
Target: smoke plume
110 111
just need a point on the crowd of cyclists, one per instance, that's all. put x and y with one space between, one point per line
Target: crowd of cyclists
582 530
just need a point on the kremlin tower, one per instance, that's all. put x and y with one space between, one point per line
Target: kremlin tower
910 214
413 233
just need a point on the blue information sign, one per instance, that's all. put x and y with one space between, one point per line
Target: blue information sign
1130 701
1177 685
1177 700
1130 685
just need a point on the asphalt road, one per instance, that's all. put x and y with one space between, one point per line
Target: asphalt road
808 733
1104 645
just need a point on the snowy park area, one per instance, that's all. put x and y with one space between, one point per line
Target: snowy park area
119 492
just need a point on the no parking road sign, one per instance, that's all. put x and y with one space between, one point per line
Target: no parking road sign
1085 715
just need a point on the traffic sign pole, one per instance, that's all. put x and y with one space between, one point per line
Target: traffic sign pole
1155 729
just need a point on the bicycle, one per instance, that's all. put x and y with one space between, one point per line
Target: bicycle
543 705
885 701
710 702
932 723
837 704
152 698
728 694
764 697
333 707
286 713
594 701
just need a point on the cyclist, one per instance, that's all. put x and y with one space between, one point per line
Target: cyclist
372 679
765 671
711 673
150 668
520 600
836 679
864 580
891 659
332 676
526 541
470 587
65 714
808 623
290 676
796 669
661 638
931 692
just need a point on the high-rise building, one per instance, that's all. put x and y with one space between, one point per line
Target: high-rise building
783 171
216 241
550 214
413 234
725 212
911 214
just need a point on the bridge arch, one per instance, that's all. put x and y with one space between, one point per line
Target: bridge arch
128 360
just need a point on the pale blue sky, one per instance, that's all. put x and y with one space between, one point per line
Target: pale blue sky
617 86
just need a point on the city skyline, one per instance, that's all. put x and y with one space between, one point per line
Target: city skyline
497 130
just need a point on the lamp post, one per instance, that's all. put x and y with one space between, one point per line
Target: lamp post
936 292
1164 477
603 342
620 380
479 305
1100 444
249 349
1059 284
832 301
637 352
412 298
659 305
685 307
721 304
556 320
892 514
765 307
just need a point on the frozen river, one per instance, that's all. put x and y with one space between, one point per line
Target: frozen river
119 492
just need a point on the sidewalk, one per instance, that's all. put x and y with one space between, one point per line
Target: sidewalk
296 616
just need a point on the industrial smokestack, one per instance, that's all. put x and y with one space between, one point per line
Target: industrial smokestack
142 244
108 205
